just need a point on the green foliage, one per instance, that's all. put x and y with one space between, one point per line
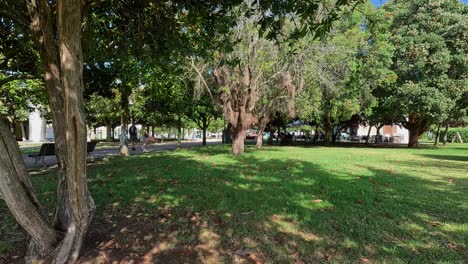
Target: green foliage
103 111
338 83
453 130
430 58
16 98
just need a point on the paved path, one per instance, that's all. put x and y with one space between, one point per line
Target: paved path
51 160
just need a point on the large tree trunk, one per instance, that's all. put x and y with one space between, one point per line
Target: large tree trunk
109 133
334 135
413 136
238 138
259 139
436 139
416 127
179 132
368 134
43 29
123 145
445 134
270 138
63 64
327 129
204 128
80 205
17 192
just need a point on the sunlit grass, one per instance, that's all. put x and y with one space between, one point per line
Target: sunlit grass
282 204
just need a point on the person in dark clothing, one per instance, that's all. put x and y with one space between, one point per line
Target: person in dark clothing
133 135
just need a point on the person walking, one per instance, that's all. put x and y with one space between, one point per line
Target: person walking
133 135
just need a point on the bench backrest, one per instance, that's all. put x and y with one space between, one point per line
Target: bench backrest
47 149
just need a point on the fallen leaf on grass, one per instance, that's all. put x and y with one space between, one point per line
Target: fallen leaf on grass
433 223
280 239
247 213
317 201
364 260
254 259
456 247
359 201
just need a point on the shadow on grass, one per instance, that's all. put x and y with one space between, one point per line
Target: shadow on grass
205 206
357 145
446 157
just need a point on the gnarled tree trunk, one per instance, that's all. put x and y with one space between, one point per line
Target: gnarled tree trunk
17 192
416 126
61 55
238 138
413 136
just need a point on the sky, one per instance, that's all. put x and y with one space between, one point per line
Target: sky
380 2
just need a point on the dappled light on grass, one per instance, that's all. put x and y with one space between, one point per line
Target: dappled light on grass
277 205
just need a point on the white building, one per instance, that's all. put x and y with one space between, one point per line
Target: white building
393 133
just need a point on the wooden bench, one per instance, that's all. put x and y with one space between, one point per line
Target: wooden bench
48 149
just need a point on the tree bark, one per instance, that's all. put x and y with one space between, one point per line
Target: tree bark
368 134
179 132
238 142
23 132
80 205
259 139
123 145
413 136
63 64
17 192
436 139
270 138
416 127
108 133
327 134
334 135
44 33
204 128
445 134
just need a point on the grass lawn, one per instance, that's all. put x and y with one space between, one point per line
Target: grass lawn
276 205
33 148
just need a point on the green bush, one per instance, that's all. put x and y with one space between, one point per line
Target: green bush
451 133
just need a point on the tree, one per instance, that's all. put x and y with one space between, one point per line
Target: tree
242 85
56 27
430 61
102 110
335 89
61 57
203 112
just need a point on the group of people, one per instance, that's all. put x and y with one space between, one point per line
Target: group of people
144 137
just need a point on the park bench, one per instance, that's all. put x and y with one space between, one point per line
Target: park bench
48 149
